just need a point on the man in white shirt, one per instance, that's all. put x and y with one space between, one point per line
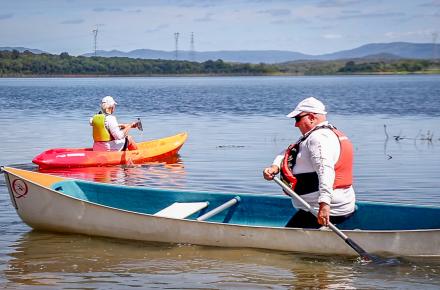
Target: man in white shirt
321 169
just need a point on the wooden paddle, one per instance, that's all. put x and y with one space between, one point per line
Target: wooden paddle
362 253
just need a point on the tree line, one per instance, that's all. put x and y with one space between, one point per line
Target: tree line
395 66
16 64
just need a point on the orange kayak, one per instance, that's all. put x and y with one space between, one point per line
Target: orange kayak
148 151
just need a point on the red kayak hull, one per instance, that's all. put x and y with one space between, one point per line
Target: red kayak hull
148 151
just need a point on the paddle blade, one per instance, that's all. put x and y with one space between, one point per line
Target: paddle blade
367 257
139 124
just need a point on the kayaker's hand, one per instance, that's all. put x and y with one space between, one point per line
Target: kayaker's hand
133 125
270 172
324 214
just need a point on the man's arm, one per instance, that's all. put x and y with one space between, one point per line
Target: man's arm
270 172
113 127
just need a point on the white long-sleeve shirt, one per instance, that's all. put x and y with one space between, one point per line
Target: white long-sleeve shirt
319 153
112 125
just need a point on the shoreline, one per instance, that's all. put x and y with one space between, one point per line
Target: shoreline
219 75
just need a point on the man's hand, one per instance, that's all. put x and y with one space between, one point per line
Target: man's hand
324 214
270 172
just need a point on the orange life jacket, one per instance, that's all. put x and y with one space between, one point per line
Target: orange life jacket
343 167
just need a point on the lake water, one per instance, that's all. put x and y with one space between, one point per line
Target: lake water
236 126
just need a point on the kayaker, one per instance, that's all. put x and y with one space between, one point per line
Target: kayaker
321 165
108 134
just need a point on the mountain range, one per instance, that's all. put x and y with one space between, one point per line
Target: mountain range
392 50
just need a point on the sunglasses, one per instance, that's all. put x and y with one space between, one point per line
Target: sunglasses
298 118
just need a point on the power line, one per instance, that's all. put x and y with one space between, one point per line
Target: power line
95 37
192 52
434 41
176 43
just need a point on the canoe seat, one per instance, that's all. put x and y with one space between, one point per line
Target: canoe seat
181 210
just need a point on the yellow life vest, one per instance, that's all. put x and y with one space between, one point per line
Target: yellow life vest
100 132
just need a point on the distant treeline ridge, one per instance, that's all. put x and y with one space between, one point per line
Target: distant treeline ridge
16 64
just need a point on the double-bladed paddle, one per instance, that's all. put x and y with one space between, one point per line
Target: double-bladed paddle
362 253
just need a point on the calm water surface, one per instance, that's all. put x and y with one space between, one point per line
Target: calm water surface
236 125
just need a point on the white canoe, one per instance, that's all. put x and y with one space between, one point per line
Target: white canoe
59 204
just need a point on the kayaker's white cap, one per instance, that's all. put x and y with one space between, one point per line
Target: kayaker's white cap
309 105
109 101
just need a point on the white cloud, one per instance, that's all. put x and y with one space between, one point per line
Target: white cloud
405 34
206 18
276 12
332 36
103 9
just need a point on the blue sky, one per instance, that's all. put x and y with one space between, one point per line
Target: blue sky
311 27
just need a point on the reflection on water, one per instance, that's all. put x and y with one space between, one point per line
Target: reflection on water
46 259
36 262
169 172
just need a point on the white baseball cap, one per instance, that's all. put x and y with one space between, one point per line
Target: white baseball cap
310 105
109 100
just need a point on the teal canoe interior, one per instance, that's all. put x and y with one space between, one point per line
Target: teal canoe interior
252 209
257 210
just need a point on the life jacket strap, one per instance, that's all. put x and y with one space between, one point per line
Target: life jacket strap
306 183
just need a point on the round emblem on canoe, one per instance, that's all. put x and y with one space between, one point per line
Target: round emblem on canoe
19 187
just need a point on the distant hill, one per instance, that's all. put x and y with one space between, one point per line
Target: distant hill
387 51
244 56
384 57
22 49
400 49
392 50
381 56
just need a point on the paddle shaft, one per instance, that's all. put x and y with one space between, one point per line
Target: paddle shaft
347 240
